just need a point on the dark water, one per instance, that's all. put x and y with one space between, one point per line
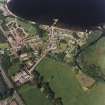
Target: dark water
69 12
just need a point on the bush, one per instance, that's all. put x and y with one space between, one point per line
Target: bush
94 72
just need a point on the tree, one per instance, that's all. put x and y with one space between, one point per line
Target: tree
58 101
38 79
6 61
10 91
94 71
57 56
46 87
63 41
51 95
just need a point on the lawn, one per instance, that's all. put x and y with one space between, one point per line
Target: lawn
65 84
62 46
4 45
33 96
14 68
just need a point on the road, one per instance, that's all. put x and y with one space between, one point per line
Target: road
33 68
45 53
10 85
7 81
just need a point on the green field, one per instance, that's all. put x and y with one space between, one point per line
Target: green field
10 64
32 95
65 84
14 68
4 45
95 54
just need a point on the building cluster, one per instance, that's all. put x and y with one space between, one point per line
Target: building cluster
22 77
15 37
13 102
9 102
52 39
26 48
74 39
29 49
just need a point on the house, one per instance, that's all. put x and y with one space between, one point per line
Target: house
13 102
24 57
21 78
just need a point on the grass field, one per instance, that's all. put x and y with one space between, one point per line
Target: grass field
66 85
14 68
4 45
95 54
32 96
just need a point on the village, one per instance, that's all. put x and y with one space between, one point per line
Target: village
31 50
24 50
